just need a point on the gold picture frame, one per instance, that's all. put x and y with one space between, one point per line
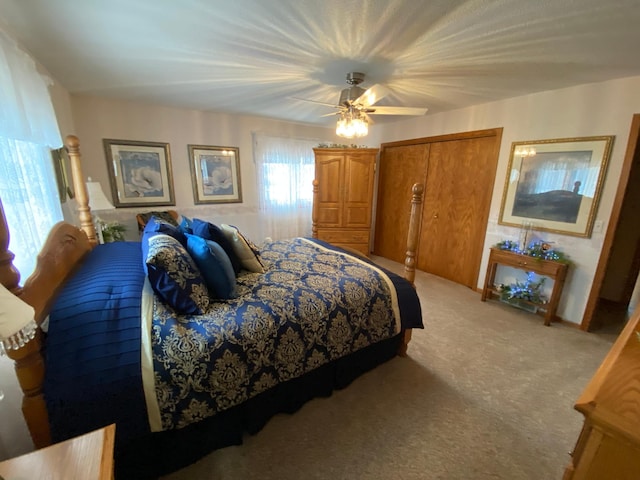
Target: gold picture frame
555 185
215 174
60 159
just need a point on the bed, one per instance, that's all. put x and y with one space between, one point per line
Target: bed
179 381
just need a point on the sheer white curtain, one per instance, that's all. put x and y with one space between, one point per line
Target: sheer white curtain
285 171
28 129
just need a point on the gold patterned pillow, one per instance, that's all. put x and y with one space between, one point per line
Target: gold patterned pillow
174 276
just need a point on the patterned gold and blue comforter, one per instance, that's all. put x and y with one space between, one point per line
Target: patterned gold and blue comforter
310 307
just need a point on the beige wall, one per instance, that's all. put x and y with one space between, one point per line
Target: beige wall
97 118
587 110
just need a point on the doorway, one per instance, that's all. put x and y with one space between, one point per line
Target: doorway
616 288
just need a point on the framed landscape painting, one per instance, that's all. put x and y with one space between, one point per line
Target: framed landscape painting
215 174
554 185
139 173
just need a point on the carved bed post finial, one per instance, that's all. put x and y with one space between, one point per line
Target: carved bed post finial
82 197
314 211
414 232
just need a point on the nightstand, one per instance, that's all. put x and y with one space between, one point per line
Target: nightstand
87 457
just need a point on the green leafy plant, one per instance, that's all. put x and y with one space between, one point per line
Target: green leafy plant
111 231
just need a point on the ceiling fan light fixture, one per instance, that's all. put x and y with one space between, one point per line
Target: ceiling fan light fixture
352 124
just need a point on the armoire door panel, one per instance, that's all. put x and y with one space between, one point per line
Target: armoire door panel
330 217
329 174
400 168
357 216
358 180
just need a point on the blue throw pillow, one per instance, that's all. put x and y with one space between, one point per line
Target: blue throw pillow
157 225
174 276
184 224
215 266
154 227
209 231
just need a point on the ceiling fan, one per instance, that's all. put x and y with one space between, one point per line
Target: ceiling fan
356 104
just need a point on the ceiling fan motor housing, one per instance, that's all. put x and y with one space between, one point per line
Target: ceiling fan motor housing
350 95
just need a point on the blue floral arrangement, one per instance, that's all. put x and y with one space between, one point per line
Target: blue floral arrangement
538 249
530 290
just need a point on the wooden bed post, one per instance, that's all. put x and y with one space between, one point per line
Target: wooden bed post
412 246
414 232
62 252
314 211
72 144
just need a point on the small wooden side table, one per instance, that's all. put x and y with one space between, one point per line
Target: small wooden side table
87 457
548 268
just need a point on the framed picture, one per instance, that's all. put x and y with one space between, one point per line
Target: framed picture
215 174
60 160
555 185
139 173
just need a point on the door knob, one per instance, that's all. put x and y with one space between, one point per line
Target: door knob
435 215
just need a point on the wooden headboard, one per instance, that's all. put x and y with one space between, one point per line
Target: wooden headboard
64 250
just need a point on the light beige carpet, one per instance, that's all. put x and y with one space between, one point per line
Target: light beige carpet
487 392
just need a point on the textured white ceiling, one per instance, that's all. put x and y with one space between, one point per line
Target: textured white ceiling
254 56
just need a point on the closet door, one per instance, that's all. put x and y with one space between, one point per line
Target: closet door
460 177
400 167
458 172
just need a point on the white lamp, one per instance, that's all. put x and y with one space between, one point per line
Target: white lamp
97 201
17 324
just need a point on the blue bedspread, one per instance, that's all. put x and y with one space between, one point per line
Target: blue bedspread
209 363
92 375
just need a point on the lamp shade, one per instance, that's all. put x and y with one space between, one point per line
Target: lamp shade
17 324
97 198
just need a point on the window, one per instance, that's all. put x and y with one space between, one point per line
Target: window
28 129
285 171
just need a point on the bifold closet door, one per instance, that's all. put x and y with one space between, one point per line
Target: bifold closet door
400 167
460 177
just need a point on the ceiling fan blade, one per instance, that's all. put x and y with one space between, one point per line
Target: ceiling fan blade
314 101
330 114
397 111
372 95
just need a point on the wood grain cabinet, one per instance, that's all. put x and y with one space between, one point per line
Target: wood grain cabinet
87 457
343 196
609 445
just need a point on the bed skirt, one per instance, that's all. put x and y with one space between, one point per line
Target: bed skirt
164 452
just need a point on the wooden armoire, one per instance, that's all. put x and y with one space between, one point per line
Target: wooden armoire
343 196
